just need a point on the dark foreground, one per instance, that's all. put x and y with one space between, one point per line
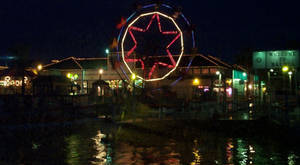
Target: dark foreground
153 142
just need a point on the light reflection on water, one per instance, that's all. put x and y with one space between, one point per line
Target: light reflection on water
100 154
100 144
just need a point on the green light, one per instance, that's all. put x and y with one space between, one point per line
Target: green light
244 74
285 68
76 76
107 51
69 75
218 73
290 73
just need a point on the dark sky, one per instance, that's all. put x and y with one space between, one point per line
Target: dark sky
84 28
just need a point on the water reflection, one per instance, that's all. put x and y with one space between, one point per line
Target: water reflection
292 159
100 150
73 150
229 152
196 153
102 144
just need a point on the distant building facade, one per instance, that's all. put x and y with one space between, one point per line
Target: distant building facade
86 71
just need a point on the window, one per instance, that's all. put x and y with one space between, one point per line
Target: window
212 71
196 71
204 71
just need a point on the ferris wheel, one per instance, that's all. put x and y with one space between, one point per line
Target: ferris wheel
153 41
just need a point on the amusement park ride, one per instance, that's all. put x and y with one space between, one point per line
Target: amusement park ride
152 42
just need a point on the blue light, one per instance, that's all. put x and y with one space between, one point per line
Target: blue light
167 6
175 82
129 18
124 72
8 58
185 19
147 6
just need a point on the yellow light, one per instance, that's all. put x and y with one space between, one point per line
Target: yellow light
76 76
7 78
229 82
285 68
196 81
18 83
251 105
35 71
181 41
69 75
264 89
250 86
100 71
133 76
218 73
25 79
40 67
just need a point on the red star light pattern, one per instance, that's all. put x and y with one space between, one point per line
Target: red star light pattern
128 57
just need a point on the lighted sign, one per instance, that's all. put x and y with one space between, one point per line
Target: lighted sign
238 75
10 82
275 59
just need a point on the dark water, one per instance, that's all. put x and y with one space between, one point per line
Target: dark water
96 142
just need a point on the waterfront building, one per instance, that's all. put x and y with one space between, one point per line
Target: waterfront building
11 81
195 76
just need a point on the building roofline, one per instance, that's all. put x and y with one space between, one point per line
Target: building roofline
219 60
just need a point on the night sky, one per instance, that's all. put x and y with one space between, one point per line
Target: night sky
55 29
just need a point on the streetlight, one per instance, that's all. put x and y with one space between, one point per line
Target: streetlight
133 77
69 75
220 83
269 86
245 83
107 51
250 86
100 73
285 68
290 80
39 67
196 82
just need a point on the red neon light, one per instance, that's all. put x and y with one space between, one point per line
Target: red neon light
166 65
131 51
170 32
167 48
158 23
132 36
171 58
136 60
173 41
153 17
137 29
152 70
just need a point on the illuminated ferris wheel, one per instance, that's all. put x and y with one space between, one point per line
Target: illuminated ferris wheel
153 40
